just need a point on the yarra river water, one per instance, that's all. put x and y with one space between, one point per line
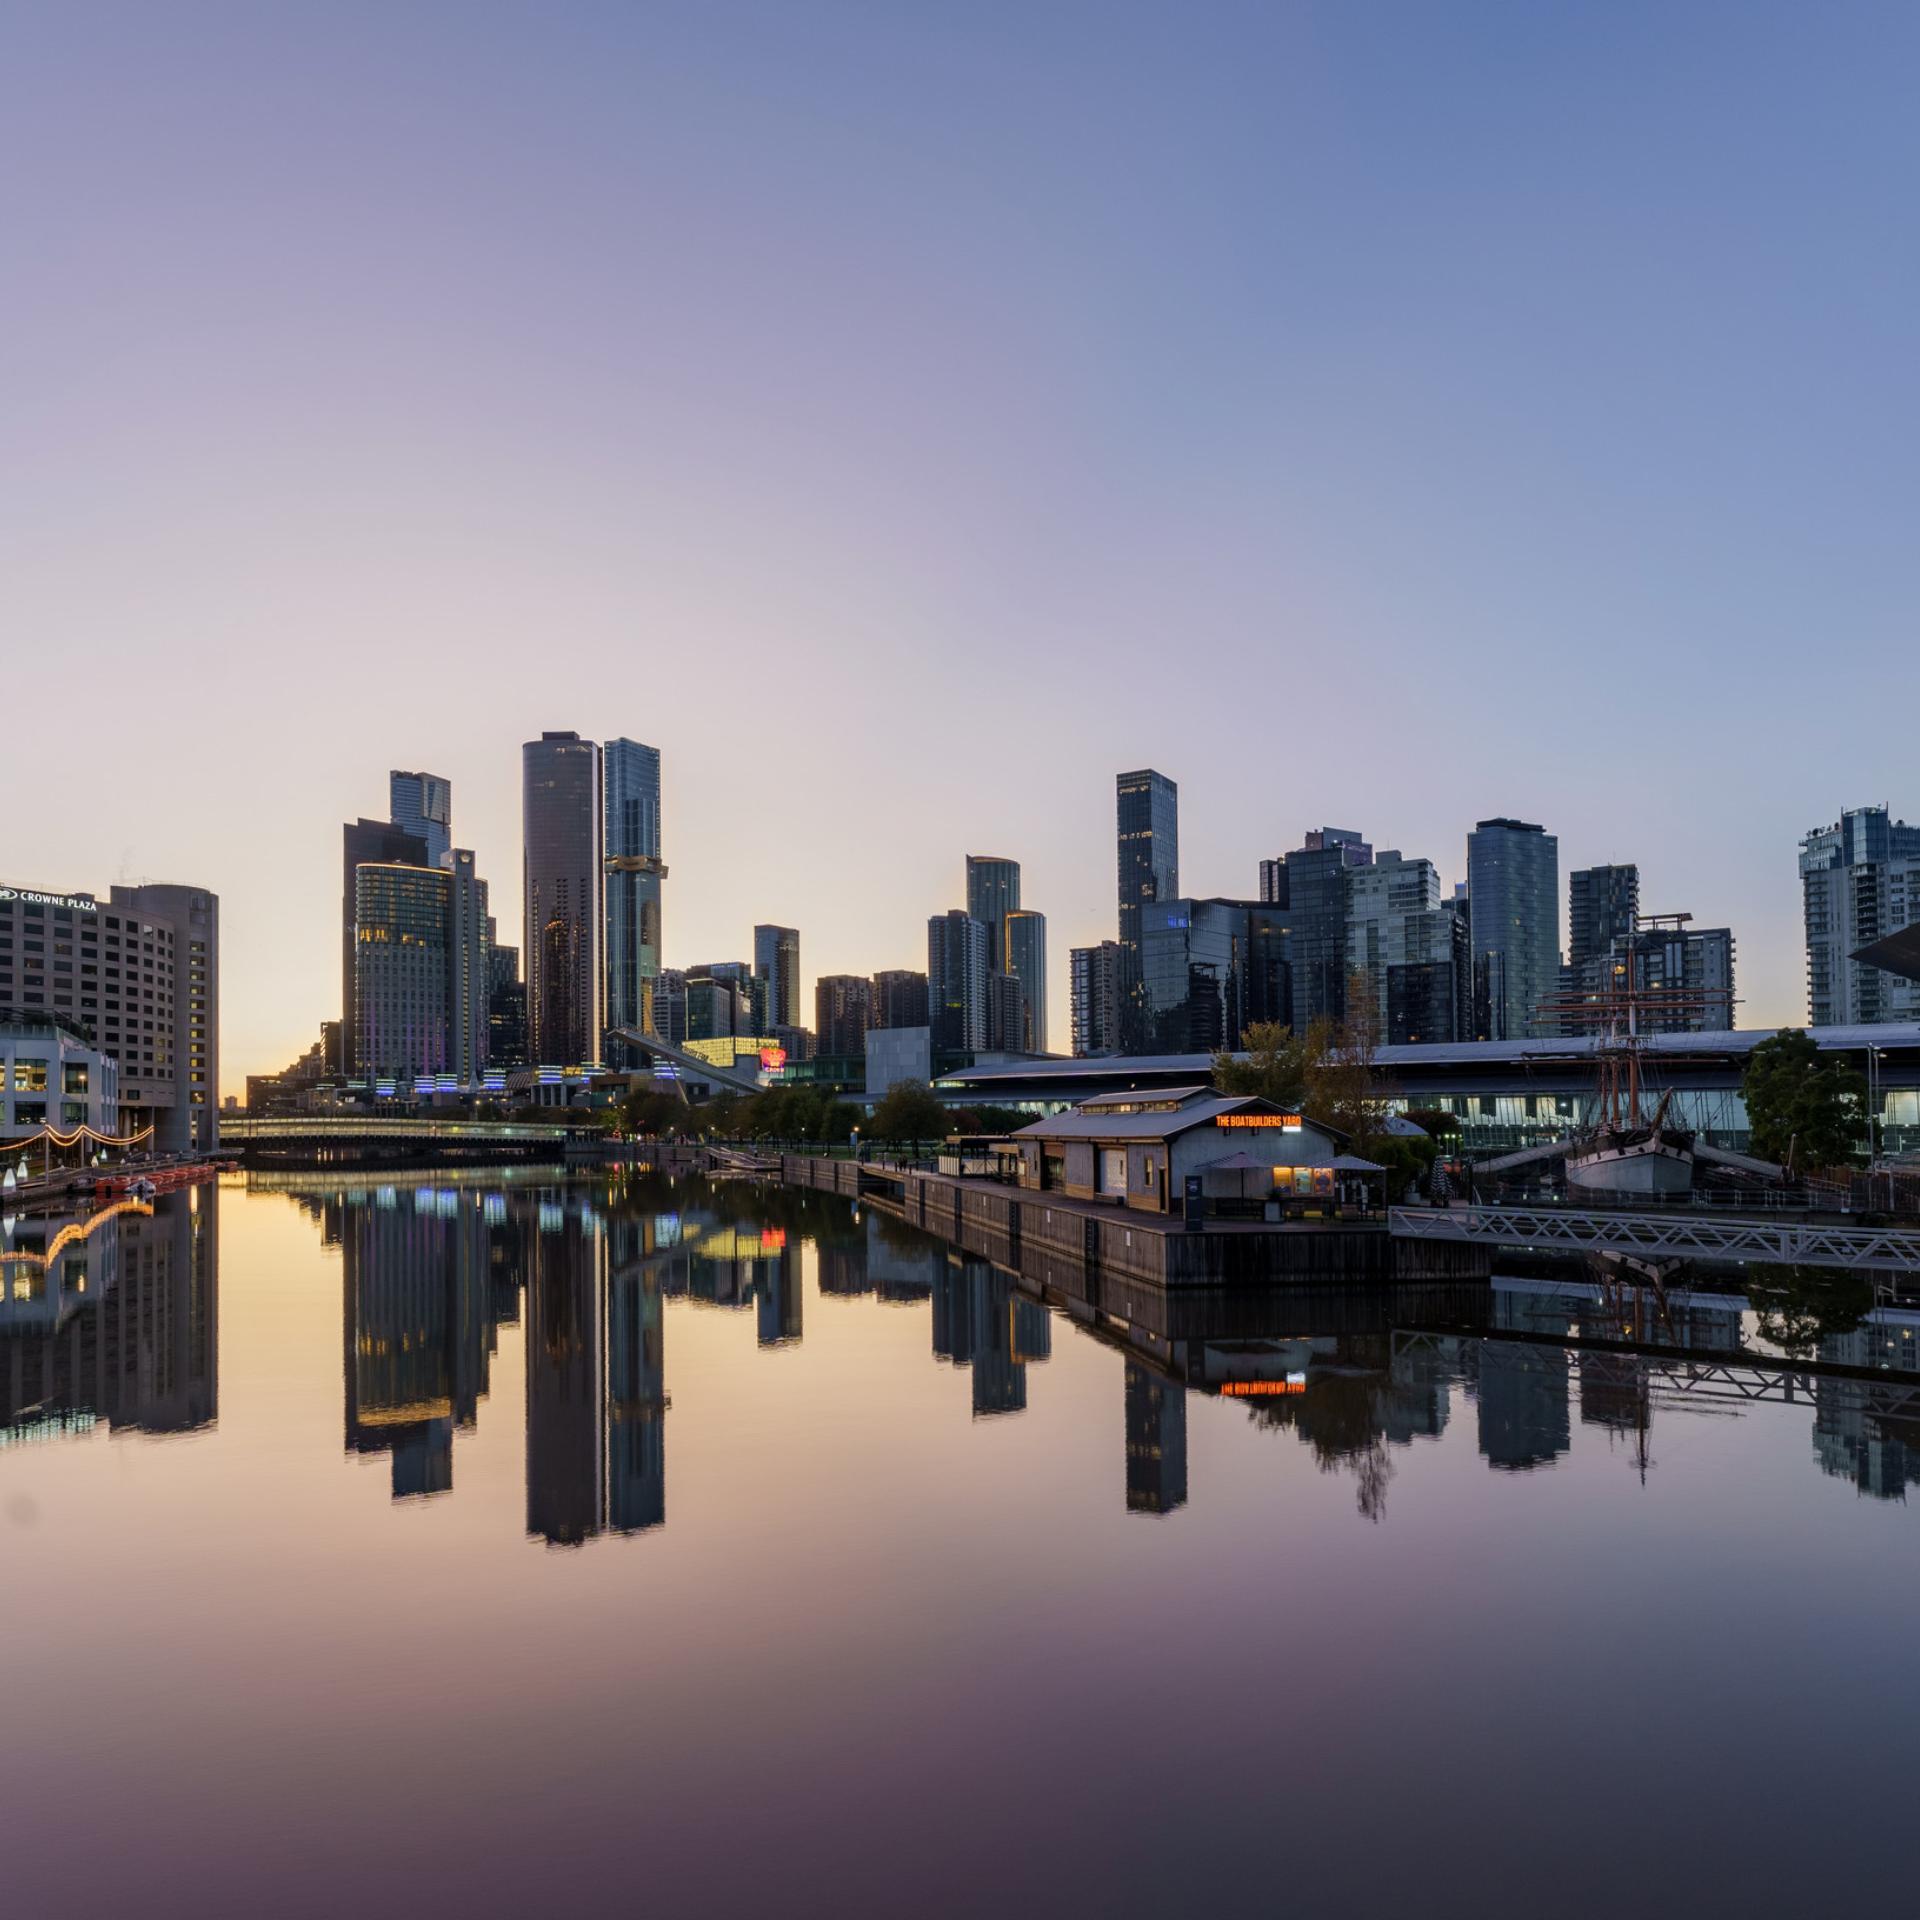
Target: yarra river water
497 1544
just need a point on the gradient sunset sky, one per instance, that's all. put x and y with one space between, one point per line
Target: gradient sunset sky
908 416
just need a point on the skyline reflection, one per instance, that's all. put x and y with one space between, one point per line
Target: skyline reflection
114 1319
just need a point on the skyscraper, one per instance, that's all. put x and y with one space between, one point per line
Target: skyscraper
469 982
842 1013
1095 985
422 804
957 975
993 892
1393 905
630 774
1317 900
1859 883
1026 960
565 899
506 1010
1513 896
776 965
402 972
1147 820
1603 905
187 1016
1006 1014
900 998
365 843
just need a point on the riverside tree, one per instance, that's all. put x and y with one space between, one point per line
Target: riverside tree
1804 1109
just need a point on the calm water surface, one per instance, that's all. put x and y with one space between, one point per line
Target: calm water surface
495 1547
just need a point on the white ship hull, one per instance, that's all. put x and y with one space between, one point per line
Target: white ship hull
1658 1165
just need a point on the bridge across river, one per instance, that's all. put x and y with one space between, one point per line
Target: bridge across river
312 1138
1676 1233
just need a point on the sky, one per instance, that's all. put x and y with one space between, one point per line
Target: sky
907 417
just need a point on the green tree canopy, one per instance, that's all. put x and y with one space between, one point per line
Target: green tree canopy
1804 1109
908 1111
1275 1066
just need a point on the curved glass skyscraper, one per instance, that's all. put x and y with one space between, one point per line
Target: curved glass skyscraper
631 774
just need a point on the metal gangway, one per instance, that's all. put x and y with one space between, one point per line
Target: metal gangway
1675 1233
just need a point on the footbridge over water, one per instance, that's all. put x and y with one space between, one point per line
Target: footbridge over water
313 1139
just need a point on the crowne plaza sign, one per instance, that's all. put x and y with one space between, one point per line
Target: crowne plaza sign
79 902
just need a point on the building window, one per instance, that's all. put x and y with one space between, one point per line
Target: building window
29 1076
74 1077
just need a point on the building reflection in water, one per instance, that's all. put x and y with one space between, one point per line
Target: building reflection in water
417 1322
636 1376
983 1322
111 1316
1880 1456
566 1374
1156 1441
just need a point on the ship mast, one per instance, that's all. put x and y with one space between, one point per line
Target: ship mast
1614 1017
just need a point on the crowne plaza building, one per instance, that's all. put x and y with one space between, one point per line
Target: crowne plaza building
137 976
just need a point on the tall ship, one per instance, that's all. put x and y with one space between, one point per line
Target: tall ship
1627 1148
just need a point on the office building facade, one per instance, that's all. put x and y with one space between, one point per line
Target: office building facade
1429 992
1317 902
630 835
405 976
421 804
842 1014
1682 975
564 895
900 998
1147 829
1006 1014
138 978
51 1077
1513 895
1603 909
1210 969
1094 976
506 1010
1859 883
1392 909
1026 951
957 975
776 967
377 843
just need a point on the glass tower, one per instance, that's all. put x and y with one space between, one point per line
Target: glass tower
1513 899
1603 906
630 774
993 892
402 973
422 804
1148 843
565 899
776 966
1027 962
957 975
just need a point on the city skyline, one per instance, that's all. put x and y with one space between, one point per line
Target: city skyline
908 952
1542 487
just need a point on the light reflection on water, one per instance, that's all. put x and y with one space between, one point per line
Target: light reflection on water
1154 1599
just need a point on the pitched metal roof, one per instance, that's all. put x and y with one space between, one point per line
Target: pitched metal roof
1085 1124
